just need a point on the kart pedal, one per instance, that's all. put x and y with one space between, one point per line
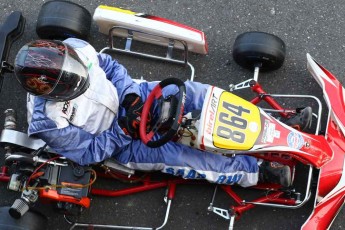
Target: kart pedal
220 212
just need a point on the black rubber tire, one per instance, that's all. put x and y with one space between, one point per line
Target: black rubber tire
62 19
262 49
29 221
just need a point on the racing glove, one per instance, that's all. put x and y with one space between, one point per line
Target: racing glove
131 121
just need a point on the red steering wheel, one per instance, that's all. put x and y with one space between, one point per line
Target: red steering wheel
147 135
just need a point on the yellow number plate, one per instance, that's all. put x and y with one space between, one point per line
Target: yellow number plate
238 123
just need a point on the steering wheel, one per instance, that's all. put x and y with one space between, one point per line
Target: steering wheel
156 93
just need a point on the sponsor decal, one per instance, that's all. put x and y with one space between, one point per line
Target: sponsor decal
229 179
185 173
74 110
295 140
65 107
269 132
182 107
211 112
192 174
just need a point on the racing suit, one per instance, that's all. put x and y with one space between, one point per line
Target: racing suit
86 130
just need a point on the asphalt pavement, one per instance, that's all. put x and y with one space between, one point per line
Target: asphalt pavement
307 26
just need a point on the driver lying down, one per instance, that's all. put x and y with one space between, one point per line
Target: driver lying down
86 107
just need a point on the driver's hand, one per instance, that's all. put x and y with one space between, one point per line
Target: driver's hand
131 122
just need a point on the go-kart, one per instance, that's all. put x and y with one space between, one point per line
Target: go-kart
227 125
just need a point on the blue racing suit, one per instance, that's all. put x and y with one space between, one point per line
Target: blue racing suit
86 130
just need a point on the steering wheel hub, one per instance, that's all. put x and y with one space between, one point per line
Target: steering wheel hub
175 119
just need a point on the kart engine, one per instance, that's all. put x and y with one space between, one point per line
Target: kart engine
40 175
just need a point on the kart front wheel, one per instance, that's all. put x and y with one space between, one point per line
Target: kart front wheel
259 49
30 221
62 19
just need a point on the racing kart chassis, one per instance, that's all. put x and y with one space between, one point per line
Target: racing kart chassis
276 196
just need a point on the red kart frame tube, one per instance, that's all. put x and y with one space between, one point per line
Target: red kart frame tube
3 175
262 96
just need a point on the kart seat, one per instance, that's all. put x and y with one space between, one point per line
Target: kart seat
9 136
13 137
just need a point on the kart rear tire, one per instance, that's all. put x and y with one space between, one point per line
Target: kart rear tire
30 221
62 19
261 49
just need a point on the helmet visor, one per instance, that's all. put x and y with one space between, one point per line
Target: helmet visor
73 80
52 70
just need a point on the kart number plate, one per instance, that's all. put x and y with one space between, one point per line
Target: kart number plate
238 123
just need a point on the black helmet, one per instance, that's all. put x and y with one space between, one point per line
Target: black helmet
52 70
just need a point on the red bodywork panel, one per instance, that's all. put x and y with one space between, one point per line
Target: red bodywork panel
331 186
331 173
325 212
